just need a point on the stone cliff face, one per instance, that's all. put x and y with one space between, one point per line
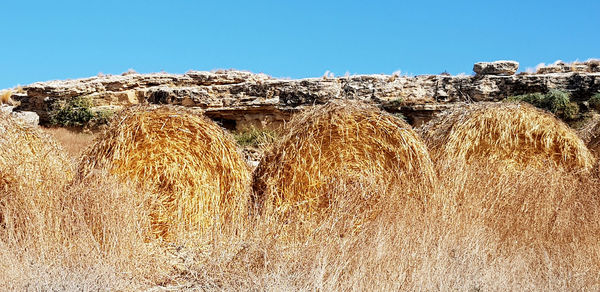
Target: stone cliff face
240 99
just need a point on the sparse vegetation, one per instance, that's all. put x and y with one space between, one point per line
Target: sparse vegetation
5 96
73 141
555 101
595 101
397 102
78 112
400 116
255 137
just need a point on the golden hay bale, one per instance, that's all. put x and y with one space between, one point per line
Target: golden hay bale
590 133
516 134
340 148
33 168
189 163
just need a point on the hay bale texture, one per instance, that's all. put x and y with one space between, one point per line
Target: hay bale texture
33 169
337 149
190 165
590 133
516 134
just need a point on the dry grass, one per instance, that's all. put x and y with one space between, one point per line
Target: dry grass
342 143
192 167
442 245
44 241
73 141
516 134
29 161
5 97
62 251
476 234
525 206
479 229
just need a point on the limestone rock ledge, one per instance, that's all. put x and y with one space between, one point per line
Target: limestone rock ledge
240 99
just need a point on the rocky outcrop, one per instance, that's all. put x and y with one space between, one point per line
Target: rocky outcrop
496 68
590 66
241 99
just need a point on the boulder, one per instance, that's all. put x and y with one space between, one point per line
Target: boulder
6 108
29 118
496 68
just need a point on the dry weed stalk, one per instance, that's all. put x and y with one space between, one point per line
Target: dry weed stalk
5 97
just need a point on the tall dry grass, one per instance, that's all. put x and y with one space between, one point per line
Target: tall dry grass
484 231
479 229
29 161
65 253
46 242
6 97
73 141
409 245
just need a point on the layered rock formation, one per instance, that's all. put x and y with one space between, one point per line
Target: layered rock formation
241 99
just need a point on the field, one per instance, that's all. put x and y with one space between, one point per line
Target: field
345 197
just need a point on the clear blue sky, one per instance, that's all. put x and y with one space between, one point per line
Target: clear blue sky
44 40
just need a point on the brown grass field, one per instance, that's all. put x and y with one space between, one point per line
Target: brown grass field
73 141
475 227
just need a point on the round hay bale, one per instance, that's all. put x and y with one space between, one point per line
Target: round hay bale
516 134
340 150
590 133
33 168
191 166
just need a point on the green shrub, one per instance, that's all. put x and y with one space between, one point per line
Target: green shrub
397 102
77 112
255 137
594 101
401 116
556 101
